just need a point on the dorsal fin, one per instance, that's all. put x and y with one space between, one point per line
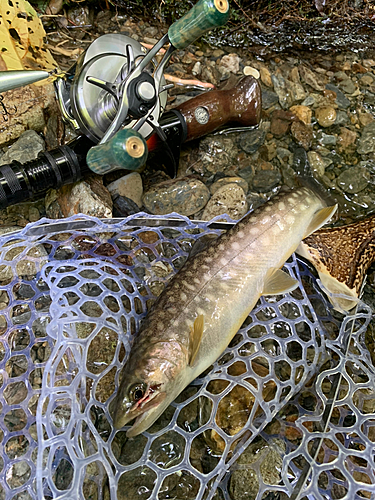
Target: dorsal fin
196 333
278 282
319 219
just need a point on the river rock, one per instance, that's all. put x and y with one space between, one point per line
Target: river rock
316 162
183 195
302 134
353 180
231 62
365 118
88 196
295 92
279 84
326 139
310 78
265 76
250 71
218 153
280 122
26 148
341 117
302 112
229 199
252 140
269 99
265 178
129 186
347 86
366 143
325 115
229 180
346 138
342 101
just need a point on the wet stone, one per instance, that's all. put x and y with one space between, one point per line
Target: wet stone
265 180
326 139
353 180
302 134
231 62
325 115
366 143
229 180
185 196
251 141
229 199
217 154
342 101
26 148
88 196
269 99
316 163
347 86
129 186
310 78
280 122
304 113
341 117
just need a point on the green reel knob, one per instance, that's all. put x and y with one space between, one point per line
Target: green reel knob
127 149
204 16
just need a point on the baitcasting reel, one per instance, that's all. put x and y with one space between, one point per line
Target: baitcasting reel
115 97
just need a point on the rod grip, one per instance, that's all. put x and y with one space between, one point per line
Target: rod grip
204 16
238 106
127 149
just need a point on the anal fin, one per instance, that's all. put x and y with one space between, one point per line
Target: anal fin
278 282
196 333
319 219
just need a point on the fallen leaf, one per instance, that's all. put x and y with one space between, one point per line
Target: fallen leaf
22 38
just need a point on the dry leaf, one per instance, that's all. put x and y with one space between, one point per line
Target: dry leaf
22 38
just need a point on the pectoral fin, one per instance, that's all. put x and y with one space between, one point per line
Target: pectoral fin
195 338
278 282
319 219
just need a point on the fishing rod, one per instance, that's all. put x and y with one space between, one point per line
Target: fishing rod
115 98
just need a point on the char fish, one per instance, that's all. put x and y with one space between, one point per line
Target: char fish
206 302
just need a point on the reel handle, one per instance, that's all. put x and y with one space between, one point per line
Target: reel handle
127 150
204 16
238 106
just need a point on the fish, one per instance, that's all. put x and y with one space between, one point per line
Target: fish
206 302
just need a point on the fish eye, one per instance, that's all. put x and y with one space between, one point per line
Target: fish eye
137 392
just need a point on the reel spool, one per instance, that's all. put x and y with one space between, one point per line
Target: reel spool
91 100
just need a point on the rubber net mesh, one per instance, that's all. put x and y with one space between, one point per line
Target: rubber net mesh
251 426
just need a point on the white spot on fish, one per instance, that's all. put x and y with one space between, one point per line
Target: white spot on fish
197 299
200 310
221 247
268 208
290 200
254 230
265 220
289 219
188 285
203 266
295 195
183 296
211 249
160 326
281 205
240 234
197 281
208 259
172 310
223 261
235 245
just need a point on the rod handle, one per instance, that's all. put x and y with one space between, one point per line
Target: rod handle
204 16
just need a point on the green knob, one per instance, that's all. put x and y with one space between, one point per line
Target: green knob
127 149
204 16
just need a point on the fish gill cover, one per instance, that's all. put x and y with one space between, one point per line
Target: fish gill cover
70 303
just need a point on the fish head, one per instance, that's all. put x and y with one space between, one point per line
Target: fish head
142 396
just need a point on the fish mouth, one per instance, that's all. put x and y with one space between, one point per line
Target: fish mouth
144 415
